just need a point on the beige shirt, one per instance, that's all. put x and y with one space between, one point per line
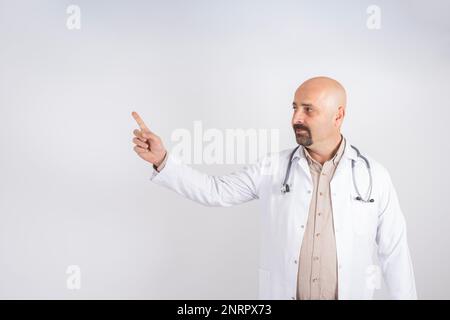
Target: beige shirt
317 269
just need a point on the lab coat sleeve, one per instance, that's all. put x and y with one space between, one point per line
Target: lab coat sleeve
226 190
393 251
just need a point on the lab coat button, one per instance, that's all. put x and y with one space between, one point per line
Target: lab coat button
292 298
295 261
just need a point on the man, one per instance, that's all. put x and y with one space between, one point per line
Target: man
316 239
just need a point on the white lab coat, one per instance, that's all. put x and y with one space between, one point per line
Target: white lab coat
359 227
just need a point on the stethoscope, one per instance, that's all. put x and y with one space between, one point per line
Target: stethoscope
286 187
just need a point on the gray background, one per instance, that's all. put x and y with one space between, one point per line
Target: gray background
72 190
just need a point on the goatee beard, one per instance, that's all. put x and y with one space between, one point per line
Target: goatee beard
304 138
305 141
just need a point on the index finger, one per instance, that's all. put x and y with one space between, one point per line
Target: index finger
139 121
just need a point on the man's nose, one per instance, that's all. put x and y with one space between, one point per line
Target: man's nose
299 118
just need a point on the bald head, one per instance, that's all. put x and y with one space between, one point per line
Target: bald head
319 110
325 92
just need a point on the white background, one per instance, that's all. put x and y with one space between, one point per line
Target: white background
73 192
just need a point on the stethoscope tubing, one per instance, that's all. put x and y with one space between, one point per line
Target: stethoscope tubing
286 187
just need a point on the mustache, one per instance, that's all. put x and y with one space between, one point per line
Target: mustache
300 127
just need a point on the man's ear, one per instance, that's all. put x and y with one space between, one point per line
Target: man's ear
340 114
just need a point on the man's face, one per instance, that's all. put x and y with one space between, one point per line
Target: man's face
312 120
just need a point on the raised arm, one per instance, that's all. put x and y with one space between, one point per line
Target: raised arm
226 190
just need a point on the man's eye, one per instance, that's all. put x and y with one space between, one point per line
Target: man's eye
308 109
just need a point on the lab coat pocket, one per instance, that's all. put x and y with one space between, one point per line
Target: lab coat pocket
364 216
264 284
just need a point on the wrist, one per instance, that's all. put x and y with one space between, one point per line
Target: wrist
158 163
